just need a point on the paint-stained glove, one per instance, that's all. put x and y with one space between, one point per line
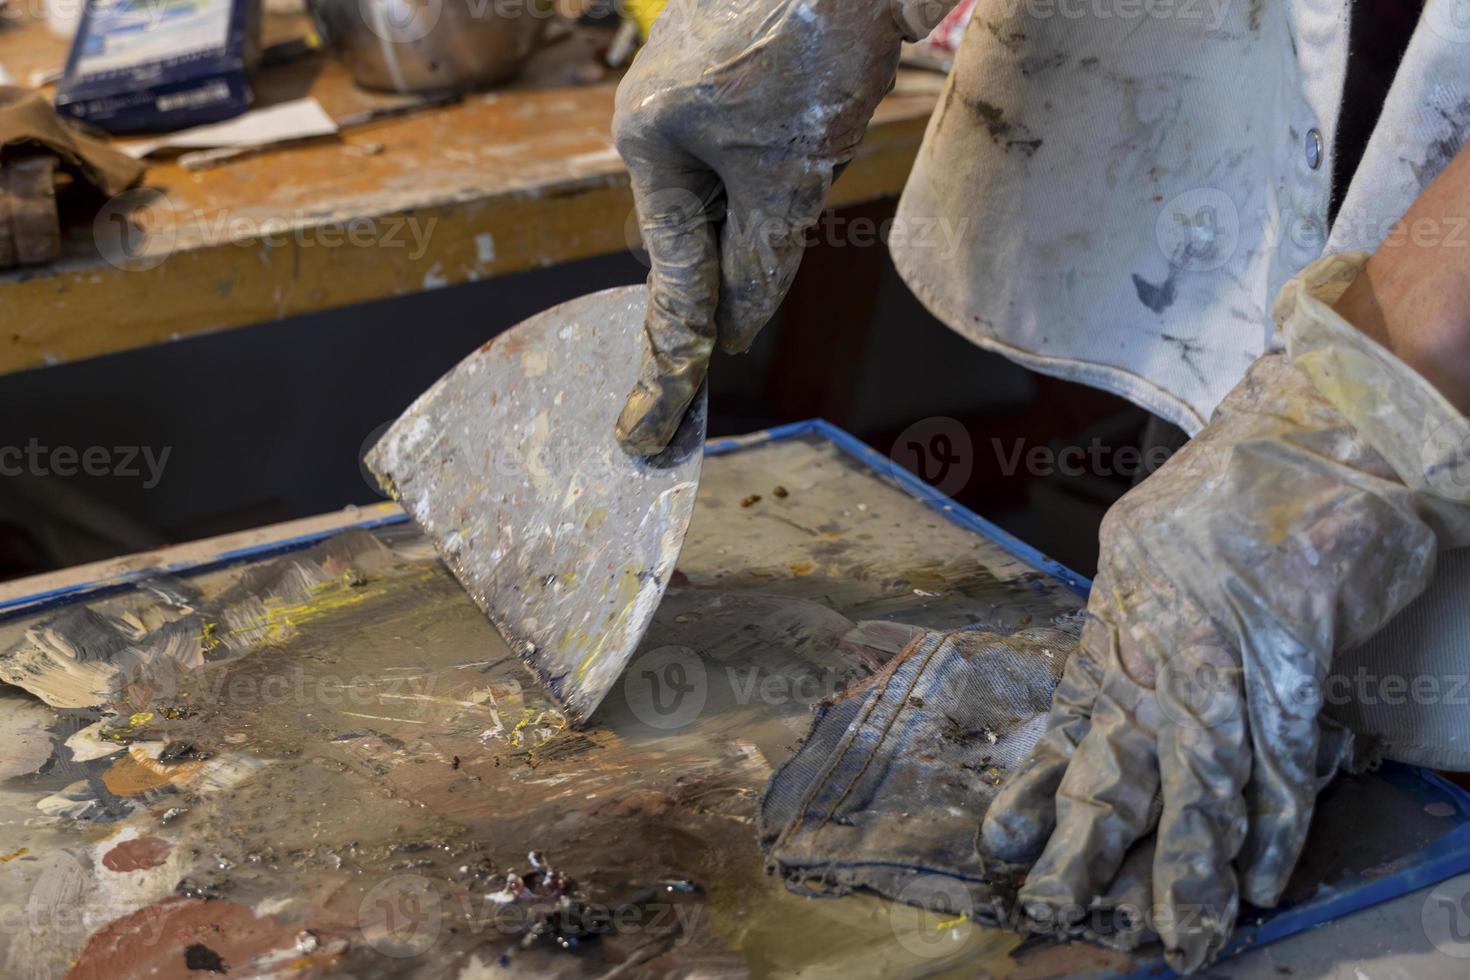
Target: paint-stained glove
734 121
1306 515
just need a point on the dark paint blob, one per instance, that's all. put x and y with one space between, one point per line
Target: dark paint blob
201 957
1158 297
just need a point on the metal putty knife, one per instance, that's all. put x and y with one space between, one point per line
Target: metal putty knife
509 465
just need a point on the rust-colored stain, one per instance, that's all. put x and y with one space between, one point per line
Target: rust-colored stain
802 568
138 854
155 941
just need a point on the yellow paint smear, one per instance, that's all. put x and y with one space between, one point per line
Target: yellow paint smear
628 586
282 617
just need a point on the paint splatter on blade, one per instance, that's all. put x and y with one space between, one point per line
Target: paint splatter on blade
510 466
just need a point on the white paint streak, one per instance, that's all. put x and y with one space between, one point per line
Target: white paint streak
485 247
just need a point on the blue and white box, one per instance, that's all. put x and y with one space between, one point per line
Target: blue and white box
159 65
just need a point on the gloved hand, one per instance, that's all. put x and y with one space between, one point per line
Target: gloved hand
1306 515
734 120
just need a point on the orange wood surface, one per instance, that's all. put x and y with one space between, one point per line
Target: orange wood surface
512 179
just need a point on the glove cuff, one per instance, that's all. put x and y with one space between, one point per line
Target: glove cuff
1395 409
917 18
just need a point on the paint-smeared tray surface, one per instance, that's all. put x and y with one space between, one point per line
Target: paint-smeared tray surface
327 761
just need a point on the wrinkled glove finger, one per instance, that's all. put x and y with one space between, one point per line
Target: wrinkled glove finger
762 242
1122 918
1284 706
1103 806
1023 814
680 203
1204 763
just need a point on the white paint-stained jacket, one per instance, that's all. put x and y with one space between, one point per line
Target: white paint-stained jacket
1114 191
1132 181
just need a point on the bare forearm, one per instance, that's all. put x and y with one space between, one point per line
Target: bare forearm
1413 296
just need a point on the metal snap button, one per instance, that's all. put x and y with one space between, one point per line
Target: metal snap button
1314 148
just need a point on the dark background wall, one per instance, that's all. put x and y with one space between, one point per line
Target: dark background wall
268 423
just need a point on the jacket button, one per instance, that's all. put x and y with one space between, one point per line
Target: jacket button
1314 148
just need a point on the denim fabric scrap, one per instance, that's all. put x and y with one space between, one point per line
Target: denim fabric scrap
889 789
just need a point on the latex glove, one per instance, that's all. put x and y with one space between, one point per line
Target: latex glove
734 120
1305 515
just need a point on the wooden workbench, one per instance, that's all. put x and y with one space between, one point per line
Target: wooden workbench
501 182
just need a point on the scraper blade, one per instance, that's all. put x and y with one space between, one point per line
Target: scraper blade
509 465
